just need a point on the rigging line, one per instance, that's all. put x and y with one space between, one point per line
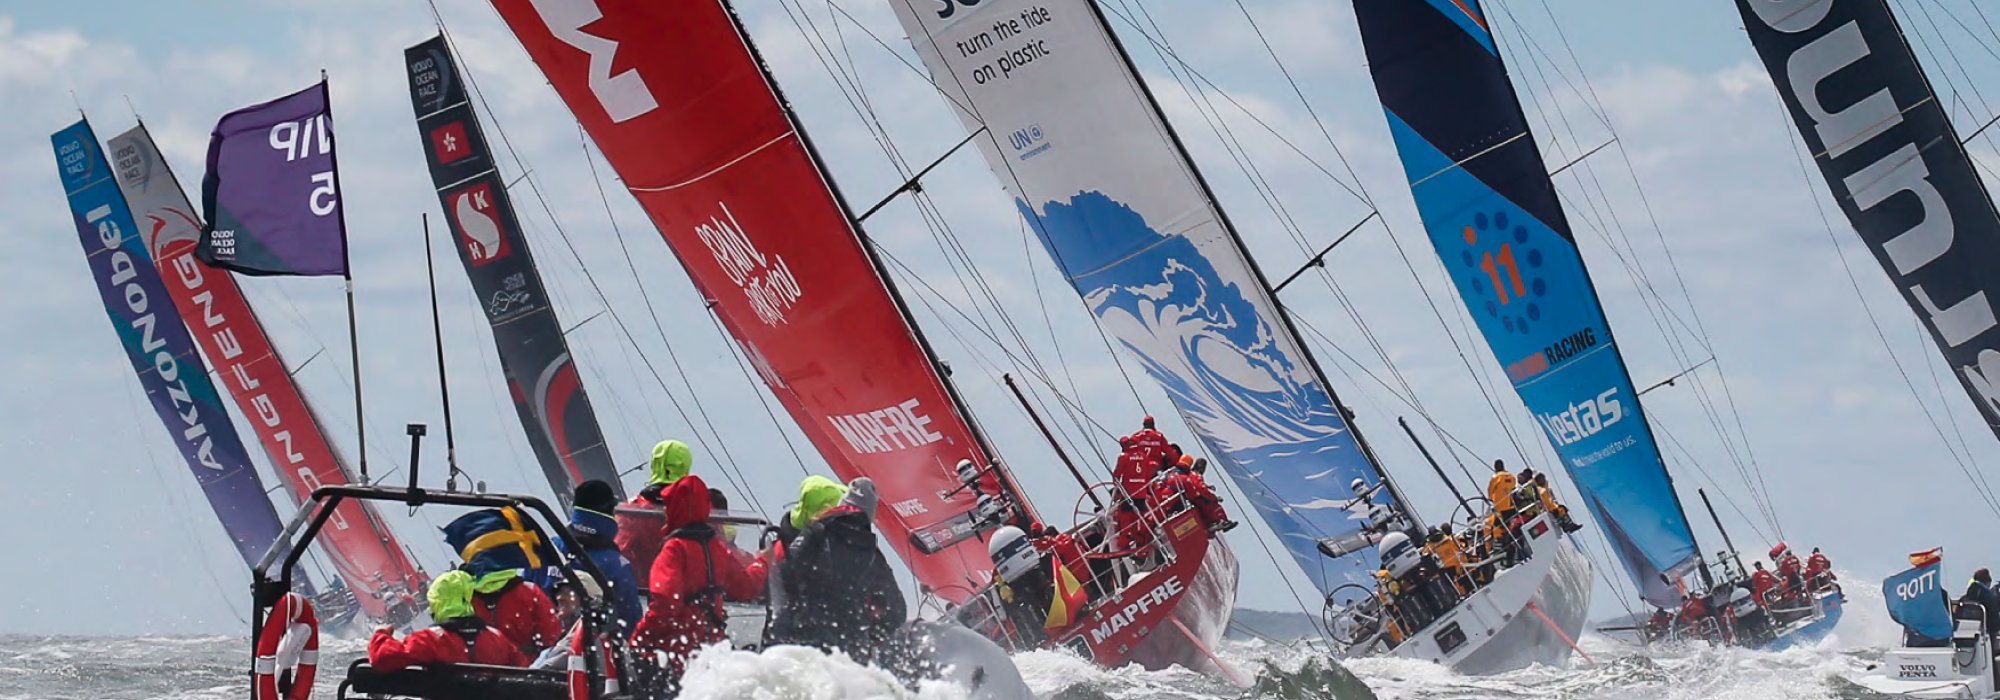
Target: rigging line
1854 283
1319 260
732 469
1257 528
1689 458
180 512
1923 336
1240 155
1317 121
1328 342
1950 50
855 93
1203 79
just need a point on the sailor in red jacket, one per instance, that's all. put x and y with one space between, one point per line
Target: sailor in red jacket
1062 550
1763 583
1134 472
517 609
639 533
1790 570
459 636
691 577
1819 570
1188 480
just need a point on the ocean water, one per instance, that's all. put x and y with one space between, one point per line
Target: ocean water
190 668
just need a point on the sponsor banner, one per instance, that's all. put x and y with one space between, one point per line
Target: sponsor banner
366 554
541 376
271 192
677 102
173 375
1493 216
1896 168
1077 141
1917 600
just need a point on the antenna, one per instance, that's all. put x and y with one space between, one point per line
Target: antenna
444 386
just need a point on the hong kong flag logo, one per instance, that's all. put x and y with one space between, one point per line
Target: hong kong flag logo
478 224
449 143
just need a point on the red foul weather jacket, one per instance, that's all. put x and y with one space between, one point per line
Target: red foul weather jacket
523 613
685 610
438 645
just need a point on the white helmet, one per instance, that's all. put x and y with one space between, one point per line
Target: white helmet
1013 555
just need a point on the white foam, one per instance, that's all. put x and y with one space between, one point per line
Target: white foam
797 673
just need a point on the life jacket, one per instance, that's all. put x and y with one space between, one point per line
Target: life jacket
707 598
1447 552
1818 564
1761 583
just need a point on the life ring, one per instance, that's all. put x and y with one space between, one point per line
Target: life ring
579 665
292 611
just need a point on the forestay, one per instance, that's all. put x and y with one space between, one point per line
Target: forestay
1077 140
675 98
1493 216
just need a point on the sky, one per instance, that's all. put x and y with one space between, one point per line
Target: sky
1842 409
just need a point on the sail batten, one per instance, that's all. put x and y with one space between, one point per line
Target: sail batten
1493 216
1107 188
692 124
362 549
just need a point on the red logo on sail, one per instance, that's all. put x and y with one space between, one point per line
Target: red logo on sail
478 224
449 144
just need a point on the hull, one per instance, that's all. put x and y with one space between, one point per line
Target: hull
1809 631
1528 615
1204 610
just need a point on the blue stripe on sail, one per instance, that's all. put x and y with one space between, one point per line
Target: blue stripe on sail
1254 404
1532 299
1468 16
158 345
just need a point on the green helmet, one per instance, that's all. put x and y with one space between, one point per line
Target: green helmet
816 494
451 596
671 460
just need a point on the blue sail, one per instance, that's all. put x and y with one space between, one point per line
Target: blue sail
1103 181
161 350
1493 216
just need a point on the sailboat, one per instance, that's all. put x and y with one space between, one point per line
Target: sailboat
384 582
175 378
535 357
701 135
1111 192
1494 219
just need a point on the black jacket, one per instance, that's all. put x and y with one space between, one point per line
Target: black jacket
837 591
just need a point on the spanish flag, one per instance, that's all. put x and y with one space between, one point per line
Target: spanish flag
1069 600
1923 559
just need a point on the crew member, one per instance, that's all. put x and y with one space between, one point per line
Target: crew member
1819 571
1790 570
1190 484
1138 463
1500 488
1527 497
1063 551
457 635
692 576
1451 560
840 593
1980 592
508 560
640 534
1763 583
596 531
1549 504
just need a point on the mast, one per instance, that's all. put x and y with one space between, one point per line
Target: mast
1208 193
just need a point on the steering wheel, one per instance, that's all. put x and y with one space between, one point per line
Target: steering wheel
1353 613
1474 508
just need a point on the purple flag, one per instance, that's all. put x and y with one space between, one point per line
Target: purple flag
271 190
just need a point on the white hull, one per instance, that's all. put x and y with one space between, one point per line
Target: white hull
1530 614
1964 669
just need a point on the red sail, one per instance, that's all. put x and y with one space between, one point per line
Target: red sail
676 100
363 549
